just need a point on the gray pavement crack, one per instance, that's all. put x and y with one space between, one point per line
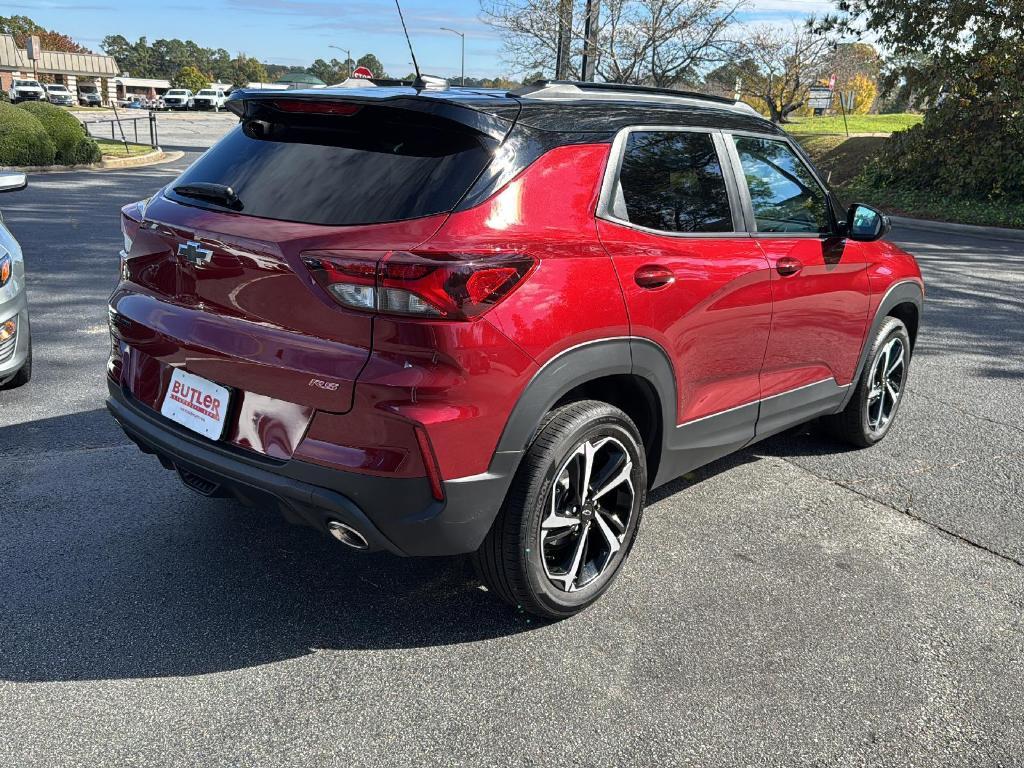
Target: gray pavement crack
909 512
964 411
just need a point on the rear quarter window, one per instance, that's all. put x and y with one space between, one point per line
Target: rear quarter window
379 165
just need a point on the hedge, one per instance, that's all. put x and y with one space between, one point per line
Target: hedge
69 137
23 139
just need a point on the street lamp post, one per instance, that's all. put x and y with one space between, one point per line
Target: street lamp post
462 80
348 58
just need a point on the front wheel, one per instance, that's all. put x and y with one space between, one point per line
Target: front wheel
866 419
571 515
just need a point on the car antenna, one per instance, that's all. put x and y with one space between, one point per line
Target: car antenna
418 83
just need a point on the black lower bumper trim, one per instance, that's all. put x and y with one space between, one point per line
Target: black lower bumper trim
398 515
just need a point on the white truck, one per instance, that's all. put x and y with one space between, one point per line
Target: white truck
210 98
26 90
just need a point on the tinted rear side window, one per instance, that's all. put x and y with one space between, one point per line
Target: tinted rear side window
672 181
376 166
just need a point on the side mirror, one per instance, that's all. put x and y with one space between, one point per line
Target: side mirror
866 223
12 182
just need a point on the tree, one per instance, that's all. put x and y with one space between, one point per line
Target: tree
782 65
22 27
244 70
191 78
372 63
966 59
657 42
864 90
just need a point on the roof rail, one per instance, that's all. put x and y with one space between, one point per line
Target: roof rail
571 89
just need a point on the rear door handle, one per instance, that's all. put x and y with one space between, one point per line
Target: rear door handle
653 276
787 265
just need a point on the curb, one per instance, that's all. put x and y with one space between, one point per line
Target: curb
157 157
992 233
150 158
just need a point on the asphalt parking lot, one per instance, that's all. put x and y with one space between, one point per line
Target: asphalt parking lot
796 604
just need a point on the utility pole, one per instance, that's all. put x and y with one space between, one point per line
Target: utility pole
564 40
348 59
462 80
593 13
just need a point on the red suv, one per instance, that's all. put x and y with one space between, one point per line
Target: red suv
467 321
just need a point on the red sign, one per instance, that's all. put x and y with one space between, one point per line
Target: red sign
362 73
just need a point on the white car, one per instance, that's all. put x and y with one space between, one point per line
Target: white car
26 90
59 94
210 98
179 98
15 335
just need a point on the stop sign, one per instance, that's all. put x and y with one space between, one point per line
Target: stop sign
362 72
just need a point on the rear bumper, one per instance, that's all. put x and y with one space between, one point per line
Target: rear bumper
398 515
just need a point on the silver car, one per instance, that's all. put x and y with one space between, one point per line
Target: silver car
15 337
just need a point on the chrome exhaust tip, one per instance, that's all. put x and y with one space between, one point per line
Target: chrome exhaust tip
347 535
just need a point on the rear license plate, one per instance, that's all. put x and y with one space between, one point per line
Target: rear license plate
196 403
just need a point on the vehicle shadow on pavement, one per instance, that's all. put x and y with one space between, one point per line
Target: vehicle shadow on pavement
111 569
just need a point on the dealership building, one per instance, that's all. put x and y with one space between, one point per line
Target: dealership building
71 69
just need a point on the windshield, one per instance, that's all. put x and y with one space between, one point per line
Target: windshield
206 93
87 89
25 83
57 88
375 166
176 93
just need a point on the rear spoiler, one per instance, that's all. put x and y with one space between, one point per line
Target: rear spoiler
245 103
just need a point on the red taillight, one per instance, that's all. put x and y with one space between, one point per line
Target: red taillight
303 106
439 286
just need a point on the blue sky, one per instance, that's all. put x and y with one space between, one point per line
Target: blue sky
295 32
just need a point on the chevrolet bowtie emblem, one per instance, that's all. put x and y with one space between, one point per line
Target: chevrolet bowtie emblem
194 253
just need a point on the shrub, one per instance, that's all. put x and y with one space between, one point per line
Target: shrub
72 143
23 139
963 150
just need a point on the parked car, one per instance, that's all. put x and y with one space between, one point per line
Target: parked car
59 94
26 90
210 98
466 321
15 333
89 96
179 98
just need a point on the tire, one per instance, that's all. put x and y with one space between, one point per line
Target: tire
864 421
23 376
534 559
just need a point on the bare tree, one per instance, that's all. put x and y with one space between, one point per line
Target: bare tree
655 42
781 64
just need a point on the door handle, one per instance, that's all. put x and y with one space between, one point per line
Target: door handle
787 265
653 276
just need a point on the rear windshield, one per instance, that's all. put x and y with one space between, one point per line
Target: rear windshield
375 166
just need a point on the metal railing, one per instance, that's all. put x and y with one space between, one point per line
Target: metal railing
126 130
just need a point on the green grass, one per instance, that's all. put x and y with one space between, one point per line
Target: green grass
858 124
116 148
841 159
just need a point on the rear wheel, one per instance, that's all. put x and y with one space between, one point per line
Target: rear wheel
571 515
872 409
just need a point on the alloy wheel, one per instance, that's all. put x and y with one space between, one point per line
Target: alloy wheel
591 503
887 378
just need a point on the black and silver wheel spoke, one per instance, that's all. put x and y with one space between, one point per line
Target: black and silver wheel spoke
886 384
588 516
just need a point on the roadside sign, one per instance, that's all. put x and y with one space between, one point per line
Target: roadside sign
33 49
362 73
819 97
